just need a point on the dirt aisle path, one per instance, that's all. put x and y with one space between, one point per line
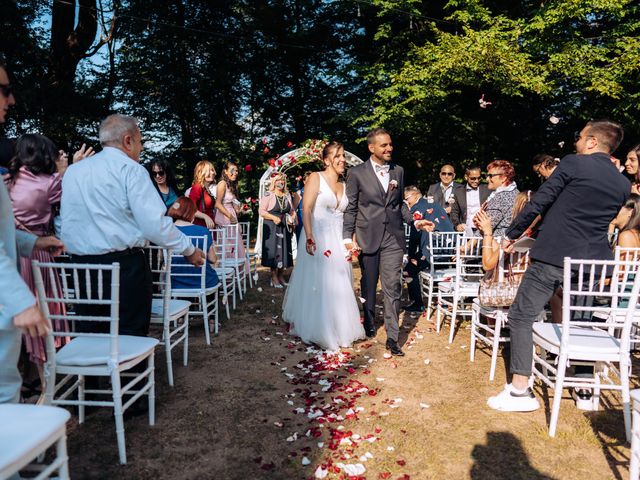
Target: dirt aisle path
258 404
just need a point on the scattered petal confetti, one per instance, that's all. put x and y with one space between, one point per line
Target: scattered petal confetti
427 361
327 253
553 119
387 355
260 289
424 405
321 472
305 461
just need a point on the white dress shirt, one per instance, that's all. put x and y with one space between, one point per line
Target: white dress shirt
446 192
381 175
473 205
109 204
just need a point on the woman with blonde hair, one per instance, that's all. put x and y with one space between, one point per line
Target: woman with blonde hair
204 176
276 208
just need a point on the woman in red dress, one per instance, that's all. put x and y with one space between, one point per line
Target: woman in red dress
204 177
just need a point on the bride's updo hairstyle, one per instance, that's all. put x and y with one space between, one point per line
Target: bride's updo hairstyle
328 149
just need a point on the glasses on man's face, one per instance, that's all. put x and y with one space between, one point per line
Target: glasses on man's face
491 175
446 174
474 179
6 89
158 173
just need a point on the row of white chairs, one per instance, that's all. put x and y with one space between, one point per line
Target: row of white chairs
599 317
129 361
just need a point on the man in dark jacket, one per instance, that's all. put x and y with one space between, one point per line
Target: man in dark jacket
468 200
576 203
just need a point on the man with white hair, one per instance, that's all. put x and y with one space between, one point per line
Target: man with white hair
110 210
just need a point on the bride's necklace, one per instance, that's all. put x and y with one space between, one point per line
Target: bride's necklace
281 201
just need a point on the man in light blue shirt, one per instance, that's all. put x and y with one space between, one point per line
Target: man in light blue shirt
110 210
18 308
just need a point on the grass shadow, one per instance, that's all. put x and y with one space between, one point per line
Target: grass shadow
502 458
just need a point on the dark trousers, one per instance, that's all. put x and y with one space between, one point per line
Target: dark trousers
136 292
413 287
385 263
538 284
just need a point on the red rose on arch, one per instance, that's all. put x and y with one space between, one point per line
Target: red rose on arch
289 144
266 150
248 168
272 162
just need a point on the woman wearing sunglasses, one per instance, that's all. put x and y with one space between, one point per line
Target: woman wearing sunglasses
228 205
499 206
163 179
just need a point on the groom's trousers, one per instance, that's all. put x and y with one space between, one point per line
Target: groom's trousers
385 263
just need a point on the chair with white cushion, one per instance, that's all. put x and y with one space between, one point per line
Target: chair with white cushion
456 294
589 287
27 432
94 354
206 297
442 264
490 331
226 274
171 313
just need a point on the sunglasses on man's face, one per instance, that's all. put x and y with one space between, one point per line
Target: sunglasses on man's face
6 89
158 173
473 179
447 174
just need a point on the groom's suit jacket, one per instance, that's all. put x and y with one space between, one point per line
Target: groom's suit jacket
371 210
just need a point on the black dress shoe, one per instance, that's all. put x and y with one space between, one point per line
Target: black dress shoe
413 308
394 349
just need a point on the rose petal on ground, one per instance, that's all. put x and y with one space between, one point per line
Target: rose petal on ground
352 469
427 361
401 462
260 289
321 472
384 475
320 444
267 466
424 405
387 355
278 424
380 379
390 449
305 461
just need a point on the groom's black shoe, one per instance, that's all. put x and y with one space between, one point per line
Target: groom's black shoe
370 333
413 308
393 347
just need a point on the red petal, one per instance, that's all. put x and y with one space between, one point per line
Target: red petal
401 462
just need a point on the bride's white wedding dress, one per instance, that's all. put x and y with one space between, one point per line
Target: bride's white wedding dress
320 303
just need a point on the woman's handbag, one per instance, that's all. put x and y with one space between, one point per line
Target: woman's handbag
498 289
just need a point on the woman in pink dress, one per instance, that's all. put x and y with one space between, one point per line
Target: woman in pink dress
34 185
228 205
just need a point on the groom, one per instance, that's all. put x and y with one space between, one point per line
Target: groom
373 223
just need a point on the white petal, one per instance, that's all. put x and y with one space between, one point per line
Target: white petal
320 472
305 461
424 405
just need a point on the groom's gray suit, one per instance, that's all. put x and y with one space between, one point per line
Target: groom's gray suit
376 217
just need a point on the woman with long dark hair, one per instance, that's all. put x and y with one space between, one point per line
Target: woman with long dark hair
35 189
164 180
631 167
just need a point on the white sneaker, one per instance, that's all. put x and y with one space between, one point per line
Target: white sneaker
583 398
508 400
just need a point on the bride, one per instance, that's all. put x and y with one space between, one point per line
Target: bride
320 303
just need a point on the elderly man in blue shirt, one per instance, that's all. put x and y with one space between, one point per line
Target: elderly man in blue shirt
110 210
18 309
433 217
